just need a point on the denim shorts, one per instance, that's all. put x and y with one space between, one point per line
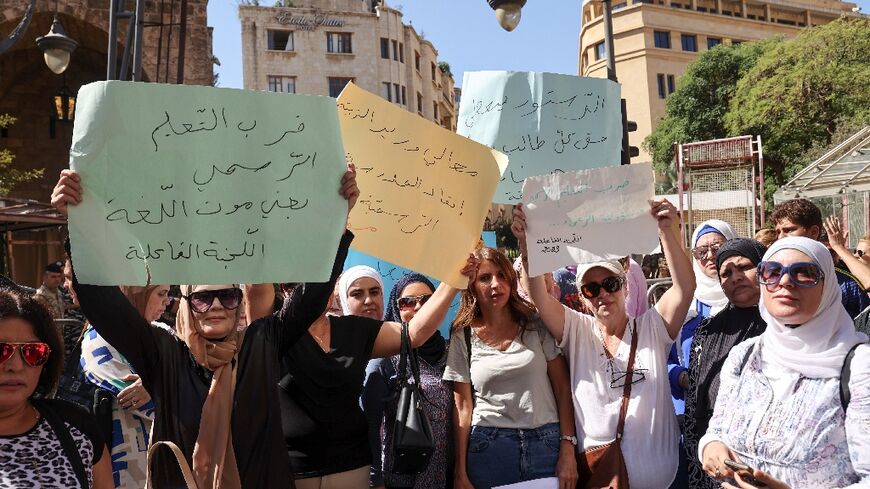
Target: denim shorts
499 456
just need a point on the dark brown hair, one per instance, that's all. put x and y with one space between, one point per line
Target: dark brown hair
16 304
522 311
799 211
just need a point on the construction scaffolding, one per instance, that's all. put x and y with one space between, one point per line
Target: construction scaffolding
728 171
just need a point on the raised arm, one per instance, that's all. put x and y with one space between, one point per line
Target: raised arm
675 303
425 322
837 240
551 310
307 302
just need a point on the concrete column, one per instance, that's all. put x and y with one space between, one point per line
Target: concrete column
667 3
809 19
694 4
743 8
718 6
767 12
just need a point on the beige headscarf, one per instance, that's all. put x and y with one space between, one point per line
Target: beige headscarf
214 461
138 296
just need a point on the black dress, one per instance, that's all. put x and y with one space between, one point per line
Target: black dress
179 386
713 340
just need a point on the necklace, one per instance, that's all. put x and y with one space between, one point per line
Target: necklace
321 340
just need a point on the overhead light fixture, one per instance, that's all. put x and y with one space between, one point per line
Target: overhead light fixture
56 46
507 12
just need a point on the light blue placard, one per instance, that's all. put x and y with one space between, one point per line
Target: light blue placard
488 238
544 122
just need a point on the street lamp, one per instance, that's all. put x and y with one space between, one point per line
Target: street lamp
56 46
507 12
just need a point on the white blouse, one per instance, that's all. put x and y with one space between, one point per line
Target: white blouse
791 426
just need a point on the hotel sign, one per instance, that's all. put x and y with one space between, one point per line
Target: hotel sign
308 22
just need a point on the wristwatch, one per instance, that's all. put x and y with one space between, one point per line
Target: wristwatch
571 438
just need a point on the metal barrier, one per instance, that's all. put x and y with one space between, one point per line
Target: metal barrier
656 287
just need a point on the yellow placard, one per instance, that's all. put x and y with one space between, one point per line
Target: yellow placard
424 190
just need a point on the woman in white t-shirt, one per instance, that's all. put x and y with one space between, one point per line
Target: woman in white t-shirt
597 349
512 398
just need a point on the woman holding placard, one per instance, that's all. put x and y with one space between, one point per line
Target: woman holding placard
512 403
210 383
618 365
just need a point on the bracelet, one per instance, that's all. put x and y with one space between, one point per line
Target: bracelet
570 438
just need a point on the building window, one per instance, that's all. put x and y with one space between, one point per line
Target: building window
702 9
336 85
396 97
395 51
404 99
401 53
662 39
736 42
385 48
689 42
338 42
387 94
712 42
417 60
435 110
660 78
279 40
600 51
282 84
434 78
671 85
419 103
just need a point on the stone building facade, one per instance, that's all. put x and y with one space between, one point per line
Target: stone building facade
656 39
317 46
28 87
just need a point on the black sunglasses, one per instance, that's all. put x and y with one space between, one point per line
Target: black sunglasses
410 302
610 284
802 274
202 300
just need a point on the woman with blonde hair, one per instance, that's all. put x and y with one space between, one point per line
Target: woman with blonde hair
512 418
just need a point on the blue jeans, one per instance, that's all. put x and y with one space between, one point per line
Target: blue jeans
498 456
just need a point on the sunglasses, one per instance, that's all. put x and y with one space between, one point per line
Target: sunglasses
701 251
410 302
34 353
201 301
802 274
610 284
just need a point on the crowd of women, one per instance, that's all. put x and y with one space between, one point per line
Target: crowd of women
748 372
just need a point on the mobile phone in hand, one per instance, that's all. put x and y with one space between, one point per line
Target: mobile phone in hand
745 472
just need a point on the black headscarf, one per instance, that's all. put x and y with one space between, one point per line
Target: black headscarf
432 351
745 247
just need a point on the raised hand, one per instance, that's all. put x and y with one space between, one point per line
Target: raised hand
518 227
349 189
470 268
664 212
836 236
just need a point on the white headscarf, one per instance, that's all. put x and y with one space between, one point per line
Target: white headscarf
818 347
350 276
707 289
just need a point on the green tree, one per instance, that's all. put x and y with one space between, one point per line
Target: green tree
696 110
800 91
10 176
445 67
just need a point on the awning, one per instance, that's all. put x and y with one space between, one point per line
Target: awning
28 214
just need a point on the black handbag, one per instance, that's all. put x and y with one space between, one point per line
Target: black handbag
413 445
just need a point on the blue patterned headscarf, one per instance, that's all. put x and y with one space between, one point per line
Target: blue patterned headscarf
433 350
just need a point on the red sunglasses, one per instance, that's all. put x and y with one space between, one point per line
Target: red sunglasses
34 353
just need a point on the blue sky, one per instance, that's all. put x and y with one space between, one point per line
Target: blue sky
465 33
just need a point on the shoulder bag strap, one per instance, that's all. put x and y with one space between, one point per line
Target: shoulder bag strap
68 444
467 333
179 457
629 377
402 372
845 376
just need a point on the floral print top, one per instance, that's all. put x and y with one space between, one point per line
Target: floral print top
791 426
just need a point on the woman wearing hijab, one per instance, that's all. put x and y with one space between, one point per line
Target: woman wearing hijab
714 339
131 408
406 298
708 300
211 384
361 292
779 409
